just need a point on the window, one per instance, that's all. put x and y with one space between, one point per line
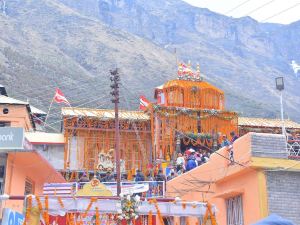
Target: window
4 124
234 207
29 187
2 170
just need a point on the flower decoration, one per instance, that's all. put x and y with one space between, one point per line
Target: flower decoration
129 207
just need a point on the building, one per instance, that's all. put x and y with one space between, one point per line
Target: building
266 125
23 170
262 180
90 139
49 145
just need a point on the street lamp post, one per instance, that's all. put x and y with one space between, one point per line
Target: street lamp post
280 87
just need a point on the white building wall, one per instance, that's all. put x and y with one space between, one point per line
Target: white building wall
53 153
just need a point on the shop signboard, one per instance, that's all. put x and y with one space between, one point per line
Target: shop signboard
11 217
11 138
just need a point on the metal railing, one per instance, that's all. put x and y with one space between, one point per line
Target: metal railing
156 188
293 148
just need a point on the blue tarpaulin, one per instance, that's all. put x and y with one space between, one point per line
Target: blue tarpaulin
274 220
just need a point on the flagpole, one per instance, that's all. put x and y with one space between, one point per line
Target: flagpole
48 111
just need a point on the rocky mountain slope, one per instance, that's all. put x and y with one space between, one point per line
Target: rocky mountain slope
44 44
241 56
73 44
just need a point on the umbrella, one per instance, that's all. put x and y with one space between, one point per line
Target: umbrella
274 220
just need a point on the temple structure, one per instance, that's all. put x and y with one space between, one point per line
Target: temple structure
188 112
90 139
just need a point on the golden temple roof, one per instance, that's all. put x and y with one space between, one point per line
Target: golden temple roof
105 114
265 122
188 83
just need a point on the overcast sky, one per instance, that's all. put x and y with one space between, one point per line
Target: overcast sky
260 10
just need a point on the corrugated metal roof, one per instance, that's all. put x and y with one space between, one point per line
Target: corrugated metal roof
265 122
104 113
8 100
35 110
44 138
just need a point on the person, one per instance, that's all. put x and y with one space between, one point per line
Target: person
109 177
199 158
180 161
191 162
139 176
228 145
171 176
84 178
149 177
161 180
160 176
225 141
124 178
233 137
206 157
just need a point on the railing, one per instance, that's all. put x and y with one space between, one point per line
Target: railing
293 148
154 188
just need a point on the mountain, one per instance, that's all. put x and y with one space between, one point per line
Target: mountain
45 44
73 44
240 56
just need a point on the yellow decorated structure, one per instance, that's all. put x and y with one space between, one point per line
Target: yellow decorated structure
89 136
188 109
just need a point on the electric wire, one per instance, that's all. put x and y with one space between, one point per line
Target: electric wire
280 12
236 7
260 7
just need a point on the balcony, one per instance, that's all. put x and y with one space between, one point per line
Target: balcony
293 148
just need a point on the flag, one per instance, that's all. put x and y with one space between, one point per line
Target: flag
59 97
184 70
144 103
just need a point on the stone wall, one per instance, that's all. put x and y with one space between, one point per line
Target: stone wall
284 194
268 145
54 154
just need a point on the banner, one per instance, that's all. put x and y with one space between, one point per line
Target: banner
130 188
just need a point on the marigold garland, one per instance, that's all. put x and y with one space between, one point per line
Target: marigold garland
97 217
184 205
40 206
158 211
39 203
60 202
70 219
89 206
150 217
187 221
46 215
28 209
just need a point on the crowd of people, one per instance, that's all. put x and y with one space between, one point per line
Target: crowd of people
193 158
190 160
187 161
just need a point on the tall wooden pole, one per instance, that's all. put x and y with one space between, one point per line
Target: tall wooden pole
115 78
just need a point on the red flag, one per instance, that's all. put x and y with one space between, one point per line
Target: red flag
59 97
144 103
